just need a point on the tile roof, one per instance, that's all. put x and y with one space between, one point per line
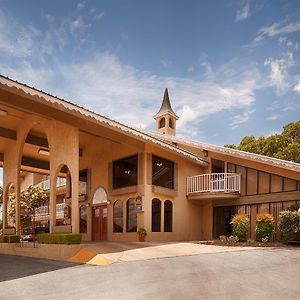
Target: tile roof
233 152
70 107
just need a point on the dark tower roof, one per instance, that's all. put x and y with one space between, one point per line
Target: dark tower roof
166 107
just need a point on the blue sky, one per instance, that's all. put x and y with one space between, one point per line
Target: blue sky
232 67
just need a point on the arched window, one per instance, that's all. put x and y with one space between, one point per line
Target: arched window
118 216
100 196
83 219
168 216
171 123
156 215
131 217
162 123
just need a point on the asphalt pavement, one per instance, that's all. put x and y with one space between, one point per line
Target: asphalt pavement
249 274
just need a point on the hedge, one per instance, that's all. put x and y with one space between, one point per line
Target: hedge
264 228
240 226
59 238
9 238
289 225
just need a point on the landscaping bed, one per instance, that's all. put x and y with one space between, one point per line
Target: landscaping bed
245 244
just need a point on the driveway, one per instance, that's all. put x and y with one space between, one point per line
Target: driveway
248 274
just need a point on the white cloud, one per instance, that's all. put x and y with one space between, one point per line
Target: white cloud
297 87
240 119
279 71
274 30
273 117
166 63
81 5
243 14
101 82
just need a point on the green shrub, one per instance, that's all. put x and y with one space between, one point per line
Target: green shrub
228 240
9 238
223 239
142 232
240 226
289 225
264 227
59 238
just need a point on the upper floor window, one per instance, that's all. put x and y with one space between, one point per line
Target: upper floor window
171 123
125 172
162 123
162 172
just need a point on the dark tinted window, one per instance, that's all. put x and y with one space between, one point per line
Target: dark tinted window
118 216
125 172
168 216
131 217
162 172
156 213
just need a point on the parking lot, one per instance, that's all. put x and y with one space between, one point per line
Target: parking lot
248 274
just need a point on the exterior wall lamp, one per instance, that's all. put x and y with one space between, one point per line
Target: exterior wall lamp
205 153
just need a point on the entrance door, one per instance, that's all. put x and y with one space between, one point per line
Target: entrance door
100 223
222 218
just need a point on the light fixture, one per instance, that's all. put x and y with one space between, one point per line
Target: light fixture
3 113
127 172
205 152
108 202
44 151
159 164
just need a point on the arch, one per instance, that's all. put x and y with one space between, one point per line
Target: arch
162 122
168 216
131 216
83 218
100 196
156 215
63 209
10 206
171 125
118 216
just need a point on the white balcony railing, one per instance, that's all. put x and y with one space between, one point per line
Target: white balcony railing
214 182
44 210
61 182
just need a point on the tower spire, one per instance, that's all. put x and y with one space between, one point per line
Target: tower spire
166 118
166 107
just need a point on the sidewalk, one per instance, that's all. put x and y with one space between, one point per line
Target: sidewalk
106 253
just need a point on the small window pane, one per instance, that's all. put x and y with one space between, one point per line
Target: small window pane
131 218
156 215
162 123
168 216
162 172
171 123
83 219
125 172
118 216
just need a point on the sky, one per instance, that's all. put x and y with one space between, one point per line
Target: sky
231 67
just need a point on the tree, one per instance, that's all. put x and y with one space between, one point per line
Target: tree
30 199
285 145
1 195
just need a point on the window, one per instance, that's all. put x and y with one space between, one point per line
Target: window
171 123
118 216
156 213
168 216
162 123
125 172
131 217
217 166
83 219
162 172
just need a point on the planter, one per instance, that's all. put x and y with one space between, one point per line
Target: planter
141 239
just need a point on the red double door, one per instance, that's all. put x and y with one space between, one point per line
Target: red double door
99 223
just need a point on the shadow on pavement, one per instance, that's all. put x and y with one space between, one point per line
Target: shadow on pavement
13 267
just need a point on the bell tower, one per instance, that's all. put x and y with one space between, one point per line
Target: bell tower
166 118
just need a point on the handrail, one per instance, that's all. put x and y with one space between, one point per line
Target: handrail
214 182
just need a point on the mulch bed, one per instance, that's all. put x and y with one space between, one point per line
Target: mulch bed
252 244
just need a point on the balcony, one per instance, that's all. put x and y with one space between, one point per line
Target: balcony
61 183
214 185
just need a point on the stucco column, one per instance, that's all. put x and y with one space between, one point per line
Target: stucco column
18 208
52 200
4 206
74 202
